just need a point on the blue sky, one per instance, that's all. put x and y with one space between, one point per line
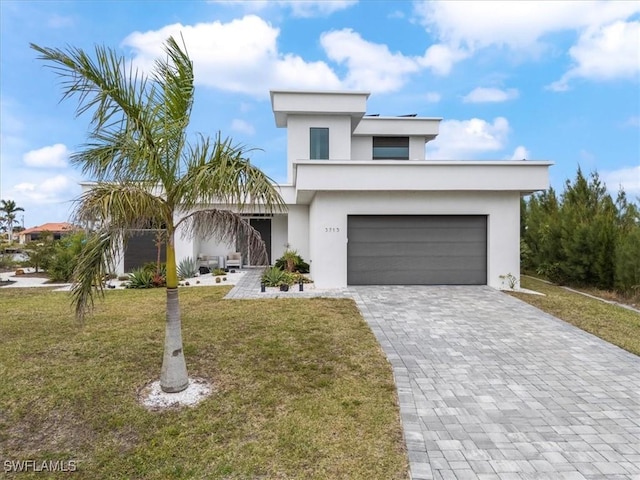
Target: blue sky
555 81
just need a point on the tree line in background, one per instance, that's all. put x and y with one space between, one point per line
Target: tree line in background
582 237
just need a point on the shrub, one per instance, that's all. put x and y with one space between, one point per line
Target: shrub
273 277
141 278
293 259
187 268
219 271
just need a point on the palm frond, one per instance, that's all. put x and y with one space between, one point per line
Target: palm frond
94 262
124 206
225 226
218 173
120 99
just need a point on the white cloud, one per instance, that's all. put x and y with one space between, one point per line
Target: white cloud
239 56
316 8
52 189
490 95
628 178
238 125
440 58
54 156
517 25
467 26
521 153
604 53
371 66
467 139
304 9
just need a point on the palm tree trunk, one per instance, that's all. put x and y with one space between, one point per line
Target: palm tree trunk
173 377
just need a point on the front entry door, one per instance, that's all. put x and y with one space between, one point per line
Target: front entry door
263 226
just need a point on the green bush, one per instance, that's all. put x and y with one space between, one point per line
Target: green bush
627 263
141 278
272 277
299 265
187 268
219 271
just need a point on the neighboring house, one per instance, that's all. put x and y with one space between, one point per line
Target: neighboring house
364 206
55 229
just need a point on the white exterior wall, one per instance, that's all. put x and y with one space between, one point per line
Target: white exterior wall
298 137
279 235
328 226
298 229
361 148
416 148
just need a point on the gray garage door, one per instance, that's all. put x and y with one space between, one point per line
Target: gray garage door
417 250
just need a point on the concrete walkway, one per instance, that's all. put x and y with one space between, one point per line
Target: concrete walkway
492 388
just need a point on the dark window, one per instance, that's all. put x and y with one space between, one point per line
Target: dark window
391 148
319 144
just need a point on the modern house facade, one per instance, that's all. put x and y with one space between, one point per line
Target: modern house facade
365 206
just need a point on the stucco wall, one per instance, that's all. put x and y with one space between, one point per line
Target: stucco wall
298 229
328 226
279 229
298 137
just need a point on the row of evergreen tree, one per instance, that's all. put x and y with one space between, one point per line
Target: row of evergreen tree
582 237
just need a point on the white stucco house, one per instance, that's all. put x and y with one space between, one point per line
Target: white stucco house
364 205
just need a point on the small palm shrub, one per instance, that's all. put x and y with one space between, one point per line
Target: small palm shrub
292 262
141 278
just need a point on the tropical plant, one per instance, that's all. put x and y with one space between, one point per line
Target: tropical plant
64 255
9 208
219 271
273 277
140 278
40 252
148 175
292 262
187 268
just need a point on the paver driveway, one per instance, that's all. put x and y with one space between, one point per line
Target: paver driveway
490 387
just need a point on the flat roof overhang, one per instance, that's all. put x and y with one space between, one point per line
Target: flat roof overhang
525 177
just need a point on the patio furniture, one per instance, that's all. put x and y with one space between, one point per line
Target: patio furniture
234 260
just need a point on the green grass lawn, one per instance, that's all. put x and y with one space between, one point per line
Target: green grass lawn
612 323
302 389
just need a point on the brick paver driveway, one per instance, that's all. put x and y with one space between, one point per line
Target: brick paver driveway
491 387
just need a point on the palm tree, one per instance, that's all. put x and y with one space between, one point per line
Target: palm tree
9 208
148 175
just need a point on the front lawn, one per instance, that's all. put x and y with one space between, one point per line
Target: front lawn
612 323
302 388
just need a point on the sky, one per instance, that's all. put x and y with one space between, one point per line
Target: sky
556 81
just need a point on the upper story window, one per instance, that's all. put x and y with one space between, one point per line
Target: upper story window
391 148
319 143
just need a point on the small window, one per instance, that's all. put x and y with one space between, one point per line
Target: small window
319 142
391 148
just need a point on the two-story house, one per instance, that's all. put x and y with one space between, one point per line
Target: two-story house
364 205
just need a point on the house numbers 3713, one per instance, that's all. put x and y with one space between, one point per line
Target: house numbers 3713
331 229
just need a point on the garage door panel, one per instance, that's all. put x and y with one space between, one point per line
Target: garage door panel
422 235
413 249
417 250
